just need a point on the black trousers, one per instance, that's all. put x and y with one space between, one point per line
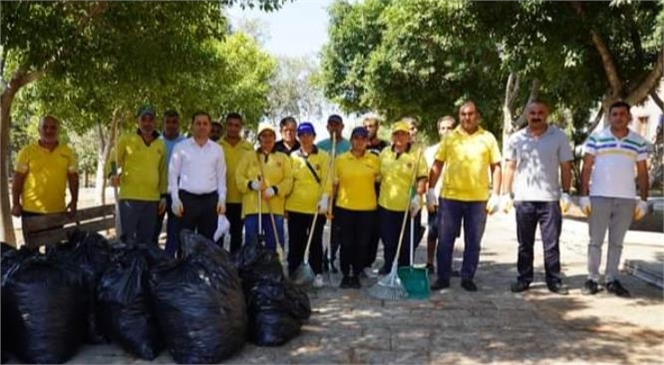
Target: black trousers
548 216
200 213
299 225
374 240
234 216
355 228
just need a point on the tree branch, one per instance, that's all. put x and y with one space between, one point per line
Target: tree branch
657 100
651 82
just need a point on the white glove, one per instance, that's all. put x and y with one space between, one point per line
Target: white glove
492 204
255 185
584 204
223 225
431 198
177 207
564 202
323 204
415 205
506 203
269 193
641 209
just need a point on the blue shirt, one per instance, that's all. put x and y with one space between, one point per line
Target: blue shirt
343 145
170 144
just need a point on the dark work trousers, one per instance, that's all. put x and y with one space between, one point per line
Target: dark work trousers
234 216
390 229
372 250
200 213
451 213
25 215
172 238
138 219
355 232
335 235
299 225
549 218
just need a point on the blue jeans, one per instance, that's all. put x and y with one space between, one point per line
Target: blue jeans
450 215
251 229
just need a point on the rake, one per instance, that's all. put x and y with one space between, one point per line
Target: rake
390 287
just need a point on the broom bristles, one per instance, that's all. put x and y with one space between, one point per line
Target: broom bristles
388 288
304 275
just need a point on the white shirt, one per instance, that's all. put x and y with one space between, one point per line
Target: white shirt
200 169
613 171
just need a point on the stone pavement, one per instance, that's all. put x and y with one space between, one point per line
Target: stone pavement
492 325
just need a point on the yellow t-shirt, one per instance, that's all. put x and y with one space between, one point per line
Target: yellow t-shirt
277 172
356 177
233 155
396 173
307 191
143 171
46 177
467 159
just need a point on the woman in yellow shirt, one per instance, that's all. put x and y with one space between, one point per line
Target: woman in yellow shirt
312 187
356 172
397 164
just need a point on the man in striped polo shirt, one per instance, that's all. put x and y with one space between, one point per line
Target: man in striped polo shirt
608 193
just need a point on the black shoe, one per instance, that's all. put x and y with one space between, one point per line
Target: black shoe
616 288
519 286
468 284
557 287
431 269
590 287
345 283
333 268
440 284
355 282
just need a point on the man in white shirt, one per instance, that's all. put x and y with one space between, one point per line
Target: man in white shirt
197 179
444 126
608 193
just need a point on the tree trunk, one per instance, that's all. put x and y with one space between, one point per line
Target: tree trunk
511 93
534 95
106 143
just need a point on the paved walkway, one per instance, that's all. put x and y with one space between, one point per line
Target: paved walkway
492 325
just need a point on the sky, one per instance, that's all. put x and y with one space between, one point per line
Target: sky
299 28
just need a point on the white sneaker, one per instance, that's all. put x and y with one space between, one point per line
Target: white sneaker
318 281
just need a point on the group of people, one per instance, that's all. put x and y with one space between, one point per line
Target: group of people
371 190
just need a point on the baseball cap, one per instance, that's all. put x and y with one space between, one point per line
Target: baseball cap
146 110
262 127
306 128
359 132
400 127
335 118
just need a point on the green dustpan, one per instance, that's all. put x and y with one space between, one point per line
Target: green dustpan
416 282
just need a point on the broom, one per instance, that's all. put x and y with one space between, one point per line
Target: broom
304 275
275 234
328 254
390 287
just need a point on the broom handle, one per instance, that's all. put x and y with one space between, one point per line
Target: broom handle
405 213
275 234
313 223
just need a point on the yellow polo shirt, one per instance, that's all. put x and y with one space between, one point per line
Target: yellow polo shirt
396 171
467 159
46 177
307 191
233 155
277 172
356 177
143 170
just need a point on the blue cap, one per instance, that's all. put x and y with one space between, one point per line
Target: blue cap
359 132
306 128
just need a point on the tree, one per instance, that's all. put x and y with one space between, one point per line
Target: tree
102 42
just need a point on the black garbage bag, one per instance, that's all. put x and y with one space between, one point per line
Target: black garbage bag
90 251
199 303
277 309
46 303
124 307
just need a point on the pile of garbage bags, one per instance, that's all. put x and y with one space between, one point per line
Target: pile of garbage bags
202 307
